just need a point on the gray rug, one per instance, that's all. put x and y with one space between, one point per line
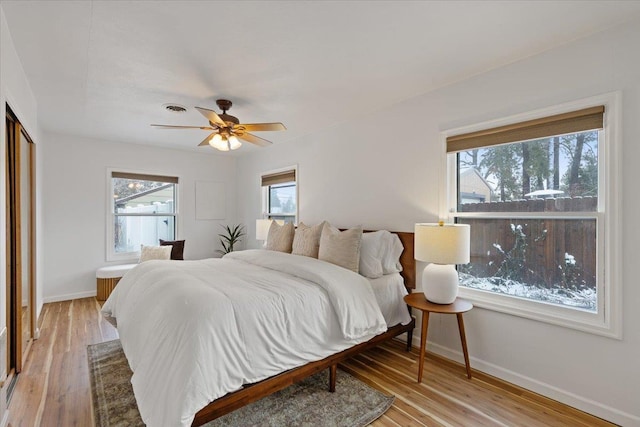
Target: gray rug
307 403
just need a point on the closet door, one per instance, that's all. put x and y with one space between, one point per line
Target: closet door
27 249
20 244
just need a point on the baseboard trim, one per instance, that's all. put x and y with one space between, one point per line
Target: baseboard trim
68 297
579 402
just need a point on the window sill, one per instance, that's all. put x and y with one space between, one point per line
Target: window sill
127 258
581 320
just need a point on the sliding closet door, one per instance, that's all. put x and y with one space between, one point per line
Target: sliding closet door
14 284
27 248
20 193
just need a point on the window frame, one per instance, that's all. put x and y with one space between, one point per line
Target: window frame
266 194
111 254
607 321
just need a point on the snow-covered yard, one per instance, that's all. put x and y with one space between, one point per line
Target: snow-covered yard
585 298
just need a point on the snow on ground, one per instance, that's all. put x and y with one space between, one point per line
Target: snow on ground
585 298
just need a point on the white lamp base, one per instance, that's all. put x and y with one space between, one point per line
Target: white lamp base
440 283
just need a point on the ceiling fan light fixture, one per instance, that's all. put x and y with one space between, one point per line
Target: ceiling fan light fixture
234 142
219 142
226 129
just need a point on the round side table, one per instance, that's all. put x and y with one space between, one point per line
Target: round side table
458 307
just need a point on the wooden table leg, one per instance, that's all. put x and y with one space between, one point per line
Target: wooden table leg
463 338
423 343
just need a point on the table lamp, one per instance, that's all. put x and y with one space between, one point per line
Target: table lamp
443 246
262 228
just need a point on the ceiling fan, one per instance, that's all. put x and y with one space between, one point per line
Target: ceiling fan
227 129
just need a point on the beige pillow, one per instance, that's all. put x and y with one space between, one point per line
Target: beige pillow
306 240
154 252
280 237
341 248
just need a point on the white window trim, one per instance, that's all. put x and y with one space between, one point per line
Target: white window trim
111 255
265 192
608 320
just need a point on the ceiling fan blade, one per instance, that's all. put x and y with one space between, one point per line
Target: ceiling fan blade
206 140
255 139
183 127
261 127
212 116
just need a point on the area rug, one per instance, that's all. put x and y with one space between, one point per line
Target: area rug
307 403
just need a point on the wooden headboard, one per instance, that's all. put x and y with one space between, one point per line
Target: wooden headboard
407 260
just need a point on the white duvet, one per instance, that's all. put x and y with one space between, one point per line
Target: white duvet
194 331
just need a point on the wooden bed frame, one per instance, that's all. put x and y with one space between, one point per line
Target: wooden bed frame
252 392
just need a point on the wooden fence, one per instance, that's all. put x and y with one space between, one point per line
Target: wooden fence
498 248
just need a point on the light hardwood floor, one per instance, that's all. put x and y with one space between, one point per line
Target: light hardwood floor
54 390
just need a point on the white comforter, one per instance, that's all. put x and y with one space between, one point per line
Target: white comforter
194 331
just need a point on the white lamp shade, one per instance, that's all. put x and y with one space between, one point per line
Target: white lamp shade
234 142
218 142
442 244
262 228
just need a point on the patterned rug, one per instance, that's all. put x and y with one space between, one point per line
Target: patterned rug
307 403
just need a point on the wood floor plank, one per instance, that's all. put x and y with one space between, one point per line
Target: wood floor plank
53 389
455 395
408 393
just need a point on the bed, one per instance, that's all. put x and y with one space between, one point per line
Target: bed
192 331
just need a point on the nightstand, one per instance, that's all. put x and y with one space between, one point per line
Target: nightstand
458 307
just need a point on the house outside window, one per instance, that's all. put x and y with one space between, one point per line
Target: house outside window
280 195
537 195
142 211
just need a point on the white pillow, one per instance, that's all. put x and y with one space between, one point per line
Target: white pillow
380 254
154 252
341 248
391 257
371 253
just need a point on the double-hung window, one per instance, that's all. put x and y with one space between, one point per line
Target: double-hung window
142 211
539 197
280 195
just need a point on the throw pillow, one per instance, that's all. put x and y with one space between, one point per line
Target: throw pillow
341 248
306 240
148 253
177 248
280 237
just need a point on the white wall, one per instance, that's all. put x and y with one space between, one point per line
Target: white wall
15 90
385 170
75 202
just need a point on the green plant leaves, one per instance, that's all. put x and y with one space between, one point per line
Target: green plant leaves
231 236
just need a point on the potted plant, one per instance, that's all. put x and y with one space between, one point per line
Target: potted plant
232 235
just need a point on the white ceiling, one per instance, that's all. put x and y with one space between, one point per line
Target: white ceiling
103 69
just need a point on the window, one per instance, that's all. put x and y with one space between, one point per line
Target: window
537 195
280 195
143 210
